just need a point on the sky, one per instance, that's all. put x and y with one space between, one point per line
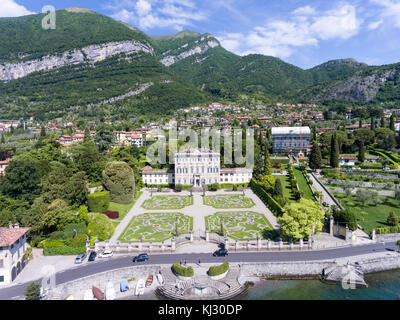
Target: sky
303 33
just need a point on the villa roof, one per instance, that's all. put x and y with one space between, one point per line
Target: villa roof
9 236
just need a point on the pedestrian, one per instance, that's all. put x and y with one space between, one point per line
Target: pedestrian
199 261
180 262
185 261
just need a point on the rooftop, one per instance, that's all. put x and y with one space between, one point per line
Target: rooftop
9 236
291 130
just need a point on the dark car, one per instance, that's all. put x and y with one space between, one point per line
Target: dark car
326 204
220 253
141 257
92 256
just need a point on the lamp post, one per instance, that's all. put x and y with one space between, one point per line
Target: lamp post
176 226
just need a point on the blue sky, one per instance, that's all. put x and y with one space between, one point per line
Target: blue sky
304 33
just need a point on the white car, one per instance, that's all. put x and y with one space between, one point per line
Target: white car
106 254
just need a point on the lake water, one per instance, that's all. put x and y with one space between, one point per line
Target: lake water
381 286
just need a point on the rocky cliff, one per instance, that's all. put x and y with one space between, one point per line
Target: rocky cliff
90 54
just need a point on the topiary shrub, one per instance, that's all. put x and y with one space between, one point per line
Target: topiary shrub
100 226
112 214
119 180
183 271
218 270
98 201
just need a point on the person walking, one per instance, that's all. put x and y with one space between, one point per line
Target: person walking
185 261
199 261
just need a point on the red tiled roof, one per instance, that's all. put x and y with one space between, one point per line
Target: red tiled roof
8 236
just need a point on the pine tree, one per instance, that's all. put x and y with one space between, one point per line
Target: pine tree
373 124
361 152
267 163
315 157
3 139
392 122
32 291
278 188
334 159
392 220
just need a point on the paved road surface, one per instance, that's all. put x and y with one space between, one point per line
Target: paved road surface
17 292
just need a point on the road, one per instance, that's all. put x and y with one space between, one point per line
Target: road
17 292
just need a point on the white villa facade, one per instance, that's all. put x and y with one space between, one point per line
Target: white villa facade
290 140
196 167
12 248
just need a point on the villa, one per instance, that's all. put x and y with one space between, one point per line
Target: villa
196 167
290 140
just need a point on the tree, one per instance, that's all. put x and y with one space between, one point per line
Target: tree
267 163
104 139
363 196
346 217
84 154
392 219
373 125
334 157
278 188
314 133
315 157
119 180
361 151
383 122
32 291
87 136
42 132
22 179
3 140
299 218
360 123
391 126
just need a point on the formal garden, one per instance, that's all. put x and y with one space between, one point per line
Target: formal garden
156 227
167 202
228 202
239 225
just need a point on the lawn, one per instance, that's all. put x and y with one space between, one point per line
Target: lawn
239 225
303 185
375 215
123 209
167 202
156 227
228 202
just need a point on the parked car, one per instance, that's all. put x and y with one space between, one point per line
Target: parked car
80 258
386 169
220 253
325 204
141 257
92 256
106 254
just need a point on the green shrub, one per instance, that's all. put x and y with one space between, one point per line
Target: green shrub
217 270
119 180
178 187
100 226
266 198
73 229
61 248
98 201
183 271
79 241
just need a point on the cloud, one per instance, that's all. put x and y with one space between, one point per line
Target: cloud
9 8
305 27
148 14
375 25
390 11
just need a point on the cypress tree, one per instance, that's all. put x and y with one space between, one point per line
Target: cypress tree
361 151
372 123
267 162
314 133
315 157
383 124
392 122
334 159
87 135
360 123
42 132
278 188
3 140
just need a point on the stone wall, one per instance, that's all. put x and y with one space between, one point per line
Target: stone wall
387 237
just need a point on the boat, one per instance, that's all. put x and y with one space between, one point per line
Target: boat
140 288
98 294
149 281
110 291
160 279
124 285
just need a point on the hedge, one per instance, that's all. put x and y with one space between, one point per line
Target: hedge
98 201
60 248
217 270
112 214
182 271
270 202
386 230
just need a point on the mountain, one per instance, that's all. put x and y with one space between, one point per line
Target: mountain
90 65
93 66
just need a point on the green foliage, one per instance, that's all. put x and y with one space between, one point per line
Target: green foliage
218 270
299 217
100 226
73 229
182 271
334 156
393 219
266 198
346 217
119 180
315 157
32 291
98 201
